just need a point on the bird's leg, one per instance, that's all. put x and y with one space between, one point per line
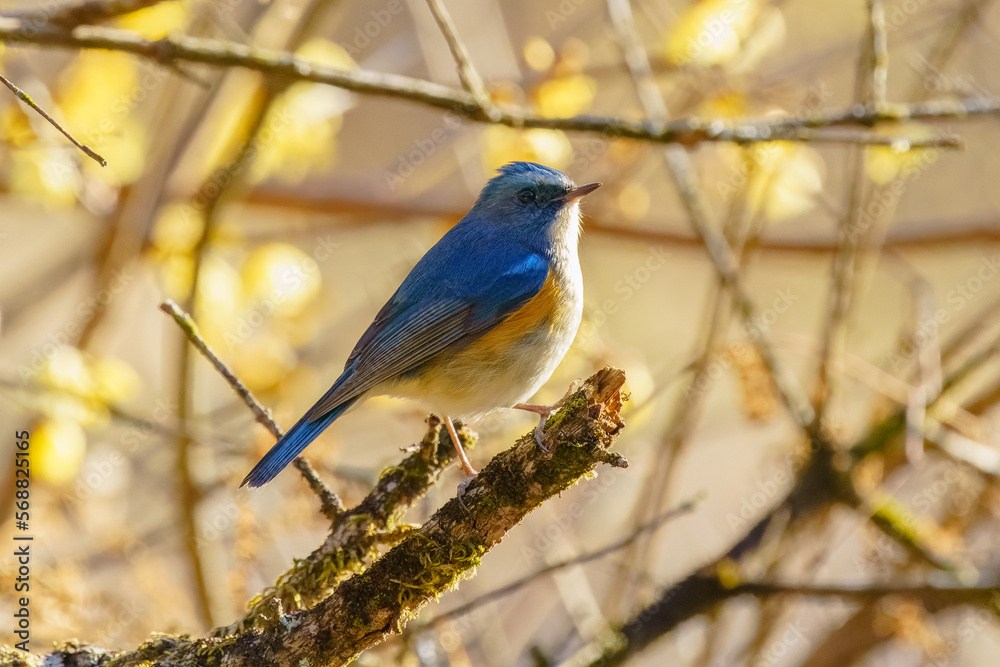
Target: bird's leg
544 412
463 460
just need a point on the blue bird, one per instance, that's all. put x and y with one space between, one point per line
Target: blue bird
481 321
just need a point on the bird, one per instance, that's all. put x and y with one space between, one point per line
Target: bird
480 322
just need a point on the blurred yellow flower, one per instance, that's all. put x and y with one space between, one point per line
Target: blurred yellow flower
178 274
505 144
66 369
884 164
57 450
263 360
158 21
727 104
178 229
785 179
87 379
220 295
95 93
300 128
96 97
48 174
710 32
281 279
565 96
538 54
114 380
125 149
15 127
75 392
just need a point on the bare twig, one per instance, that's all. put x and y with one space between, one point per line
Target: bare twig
190 329
879 54
331 504
870 93
928 356
471 81
24 97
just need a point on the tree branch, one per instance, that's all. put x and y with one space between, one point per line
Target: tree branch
356 534
878 52
689 131
471 81
24 97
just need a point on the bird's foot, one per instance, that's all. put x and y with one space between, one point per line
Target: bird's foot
463 486
544 412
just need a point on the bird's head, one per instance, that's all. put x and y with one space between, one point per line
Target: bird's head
531 198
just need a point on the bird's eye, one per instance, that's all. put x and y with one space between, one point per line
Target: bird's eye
526 196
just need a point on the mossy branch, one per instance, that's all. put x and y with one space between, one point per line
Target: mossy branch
357 534
367 608
428 561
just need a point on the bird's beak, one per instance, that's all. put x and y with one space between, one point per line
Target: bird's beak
578 192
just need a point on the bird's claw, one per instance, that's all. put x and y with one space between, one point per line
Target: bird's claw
462 486
544 412
539 432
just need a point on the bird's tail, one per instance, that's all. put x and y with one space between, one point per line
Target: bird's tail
290 445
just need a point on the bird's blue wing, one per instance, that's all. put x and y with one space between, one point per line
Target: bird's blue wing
458 289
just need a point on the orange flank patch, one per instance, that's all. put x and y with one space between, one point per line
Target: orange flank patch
519 323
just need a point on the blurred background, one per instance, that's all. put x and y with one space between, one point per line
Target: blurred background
284 215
